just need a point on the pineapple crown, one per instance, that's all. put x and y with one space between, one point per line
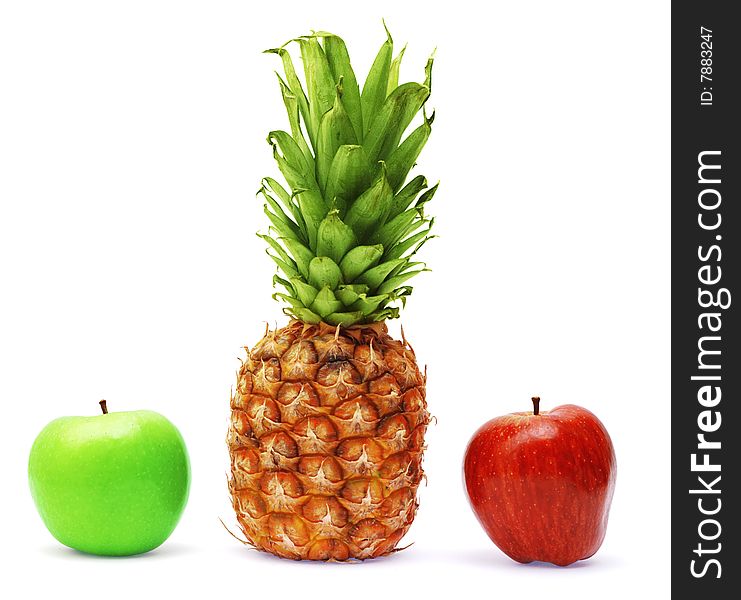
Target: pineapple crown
345 235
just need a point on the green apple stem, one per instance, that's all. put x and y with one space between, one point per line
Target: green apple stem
536 405
103 407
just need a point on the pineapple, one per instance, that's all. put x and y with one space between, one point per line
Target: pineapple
329 414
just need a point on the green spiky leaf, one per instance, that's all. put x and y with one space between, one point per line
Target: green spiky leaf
349 174
393 282
346 319
325 303
376 84
302 255
405 156
371 208
305 315
271 187
404 198
346 226
413 241
394 71
391 121
360 259
324 272
334 238
320 88
280 221
304 292
368 304
375 276
349 294
294 119
335 130
294 85
398 228
339 64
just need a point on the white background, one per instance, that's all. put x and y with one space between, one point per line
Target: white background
132 140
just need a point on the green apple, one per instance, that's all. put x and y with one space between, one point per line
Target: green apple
114 484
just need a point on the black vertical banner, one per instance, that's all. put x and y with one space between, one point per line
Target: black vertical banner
706 299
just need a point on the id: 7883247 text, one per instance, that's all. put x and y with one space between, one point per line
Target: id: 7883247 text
706 66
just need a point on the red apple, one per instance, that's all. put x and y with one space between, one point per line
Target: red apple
541 483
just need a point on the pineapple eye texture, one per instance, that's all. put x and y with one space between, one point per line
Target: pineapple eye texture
341 481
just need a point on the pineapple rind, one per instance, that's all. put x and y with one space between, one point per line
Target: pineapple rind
326 441
346 218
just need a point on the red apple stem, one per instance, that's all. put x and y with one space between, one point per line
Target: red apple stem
103 407
536 404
